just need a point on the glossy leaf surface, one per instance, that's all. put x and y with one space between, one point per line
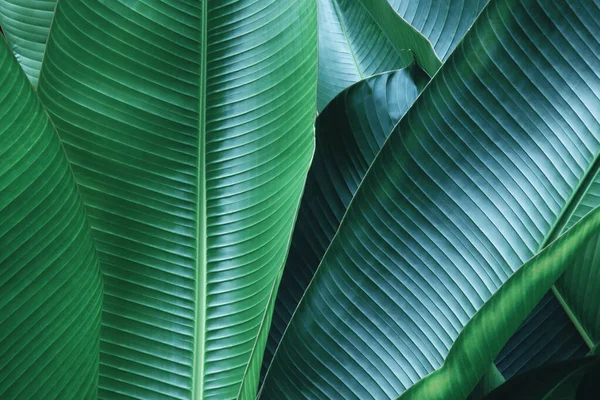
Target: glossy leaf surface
546 336
49 273
360 38
443 22
567 324
26 24
484 335
189 127
473 181
579 290
349 134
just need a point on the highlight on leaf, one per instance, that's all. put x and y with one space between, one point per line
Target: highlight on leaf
299 199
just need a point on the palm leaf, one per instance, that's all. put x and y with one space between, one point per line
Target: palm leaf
547 336
49 273
360 38
478 177
189 127
484 335
442 22
349 134
26 24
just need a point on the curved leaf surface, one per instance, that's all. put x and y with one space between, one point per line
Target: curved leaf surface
473 181
349 134
493 325
443 22
360 38
49 273
579 290
26 24
546 336
189 127
568 326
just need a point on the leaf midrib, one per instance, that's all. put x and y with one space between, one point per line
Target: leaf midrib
201 262
344 30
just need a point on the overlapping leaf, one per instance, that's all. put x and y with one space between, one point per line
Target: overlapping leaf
49 273
349 134
360 38
481 173
189 126
26 24
546 336
569 326
501 315
442 22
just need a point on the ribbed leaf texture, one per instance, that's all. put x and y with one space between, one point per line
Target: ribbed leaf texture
493 325
442 22
26 24
189 127
476 179
547 336
579 289
360 38
50 278
569 326
349 133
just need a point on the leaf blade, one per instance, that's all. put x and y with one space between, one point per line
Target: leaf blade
158 162
446 213
50 276
26 25
349 134
358 39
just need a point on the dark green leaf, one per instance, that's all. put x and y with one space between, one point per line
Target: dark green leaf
349 134
547 336
50 282
189 127
560 381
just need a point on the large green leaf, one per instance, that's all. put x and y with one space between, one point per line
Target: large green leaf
579 290
442 22
49 273
360 38
189 127
476 179
551 334
26 24
546 336
349 134
493 325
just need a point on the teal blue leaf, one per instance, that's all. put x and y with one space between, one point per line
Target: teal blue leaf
26 24
476 179
349 134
